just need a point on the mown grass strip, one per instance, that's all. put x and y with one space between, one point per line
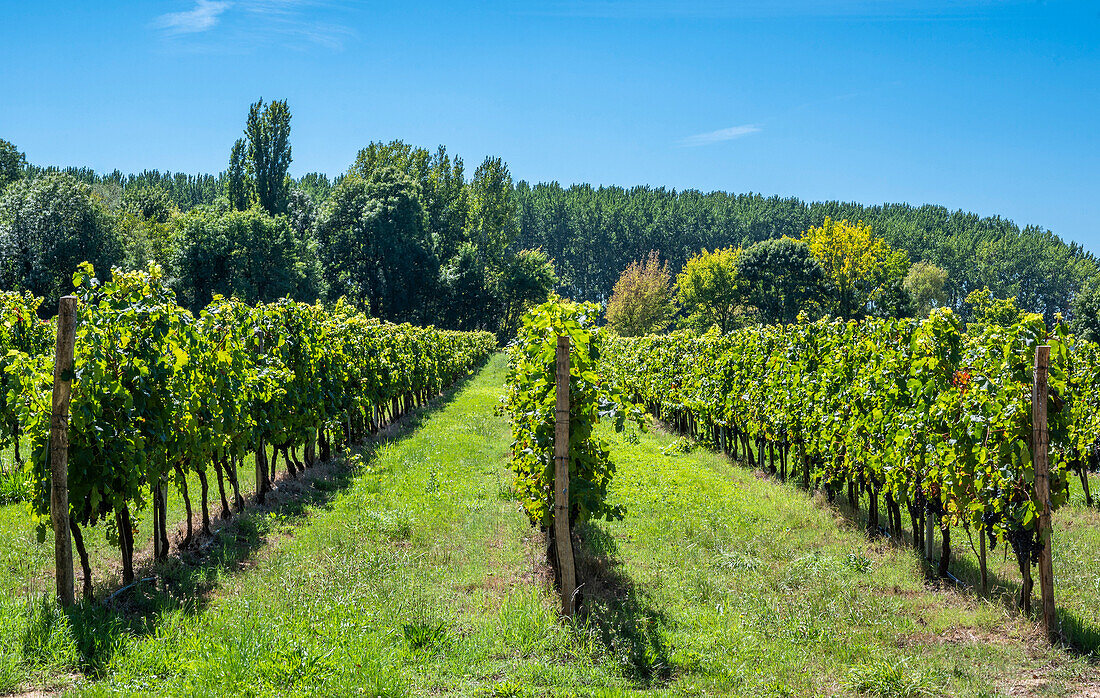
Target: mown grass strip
421 576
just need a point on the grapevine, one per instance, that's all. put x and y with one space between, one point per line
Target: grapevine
904 413
160 393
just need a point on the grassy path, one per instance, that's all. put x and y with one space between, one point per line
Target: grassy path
756 588
413 572
415 579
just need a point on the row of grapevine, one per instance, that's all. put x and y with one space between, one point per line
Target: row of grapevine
22 333
906 413
530 401
160 394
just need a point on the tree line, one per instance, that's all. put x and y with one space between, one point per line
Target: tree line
839 269
404 235
407 235
594 233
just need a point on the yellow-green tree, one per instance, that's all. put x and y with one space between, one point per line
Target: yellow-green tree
983 308
710 290
926 284
858 266
644 299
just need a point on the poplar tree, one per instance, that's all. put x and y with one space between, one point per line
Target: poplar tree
12 163
268 154
491 216
236 179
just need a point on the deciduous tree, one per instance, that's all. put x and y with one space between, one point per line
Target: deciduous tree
855 262
442 183
525 281
926 284
250 254
643 300
781 278
148 201
375 245
1085 311
268 154
710 290
237 189
12 163
491 217
465 292
48 226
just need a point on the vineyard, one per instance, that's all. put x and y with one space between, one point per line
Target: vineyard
916 415
437 560
929 418
159 394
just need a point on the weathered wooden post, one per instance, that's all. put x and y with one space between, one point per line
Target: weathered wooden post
1040 440
310 450
59 448
982 566
562 535
929 540
261 448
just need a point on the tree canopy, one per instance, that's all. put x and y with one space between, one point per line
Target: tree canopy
710 289
375 245
491 216
593 233
1086 311
48 226
439 246
857 265
781 277
926 284
12 163
267 154
643 300
247 254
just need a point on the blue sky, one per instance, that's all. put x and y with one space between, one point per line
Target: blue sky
986 105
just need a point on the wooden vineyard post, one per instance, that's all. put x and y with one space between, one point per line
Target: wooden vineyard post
929 540
983 568
261 451
311 449
562 535
59 448
1040 440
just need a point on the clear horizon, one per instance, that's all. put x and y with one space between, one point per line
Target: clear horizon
988 106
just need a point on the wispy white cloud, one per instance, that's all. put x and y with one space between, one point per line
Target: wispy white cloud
250 24
722 134
290 21
200 18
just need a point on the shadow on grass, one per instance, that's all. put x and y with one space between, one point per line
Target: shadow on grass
1080 637
626 619
186 581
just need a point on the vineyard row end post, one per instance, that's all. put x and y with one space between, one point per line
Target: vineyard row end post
59 449
262 485
562 536
1040 439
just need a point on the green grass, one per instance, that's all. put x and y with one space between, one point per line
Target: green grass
75 645
1076 561
412 571
1076 564
758 588
414 579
